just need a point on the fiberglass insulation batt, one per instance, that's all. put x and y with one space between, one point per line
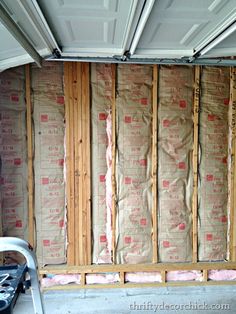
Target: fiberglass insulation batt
49 127
175 144
133 163
213 167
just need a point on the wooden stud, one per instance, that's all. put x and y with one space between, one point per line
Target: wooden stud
122 277
85 171
83 279
142 285
154 164
79 195
78 162
78 158
232 215
113 109
69 162
108 268
195 163
163 276
30 157
205 274
88 168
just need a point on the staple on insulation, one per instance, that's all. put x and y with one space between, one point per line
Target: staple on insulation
175 178
213 167
13 153
49 132
101 97
133 164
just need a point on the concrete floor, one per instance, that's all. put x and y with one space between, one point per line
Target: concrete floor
144 300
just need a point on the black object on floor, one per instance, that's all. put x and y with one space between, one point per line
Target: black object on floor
12 282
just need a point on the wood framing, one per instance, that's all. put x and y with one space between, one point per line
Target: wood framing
78 176
85 192
78 162
30 155
162 268
154 164
113 112
69 112
195 162
232 222
78 158
205 274
163 276
107 268
142 285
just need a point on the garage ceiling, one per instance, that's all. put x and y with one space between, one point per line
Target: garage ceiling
155 31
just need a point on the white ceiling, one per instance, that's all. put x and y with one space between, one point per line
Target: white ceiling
33 30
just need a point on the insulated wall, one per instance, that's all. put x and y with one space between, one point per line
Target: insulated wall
133 164
214 161
13 152
101 90
49 130
175 145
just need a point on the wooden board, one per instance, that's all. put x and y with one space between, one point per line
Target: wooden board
78 157
142 285
69 160
195 162
85 193
232 215
64 269
30 156
113 112
154 164
78 190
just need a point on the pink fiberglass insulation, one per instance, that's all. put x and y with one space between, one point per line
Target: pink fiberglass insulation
55 280
223 274
102 278
109 183
101 93
142 277
184 275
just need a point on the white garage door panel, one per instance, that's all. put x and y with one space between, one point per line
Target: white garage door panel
11 53
22 19
9 46
226 48
92 26
178 27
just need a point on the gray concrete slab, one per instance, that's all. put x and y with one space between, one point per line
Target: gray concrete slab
210 300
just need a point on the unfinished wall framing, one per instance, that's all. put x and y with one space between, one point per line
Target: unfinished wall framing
145 187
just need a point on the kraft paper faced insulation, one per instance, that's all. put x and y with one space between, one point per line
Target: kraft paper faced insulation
101 92
214 159
13 152
133 164
175 178
49 132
